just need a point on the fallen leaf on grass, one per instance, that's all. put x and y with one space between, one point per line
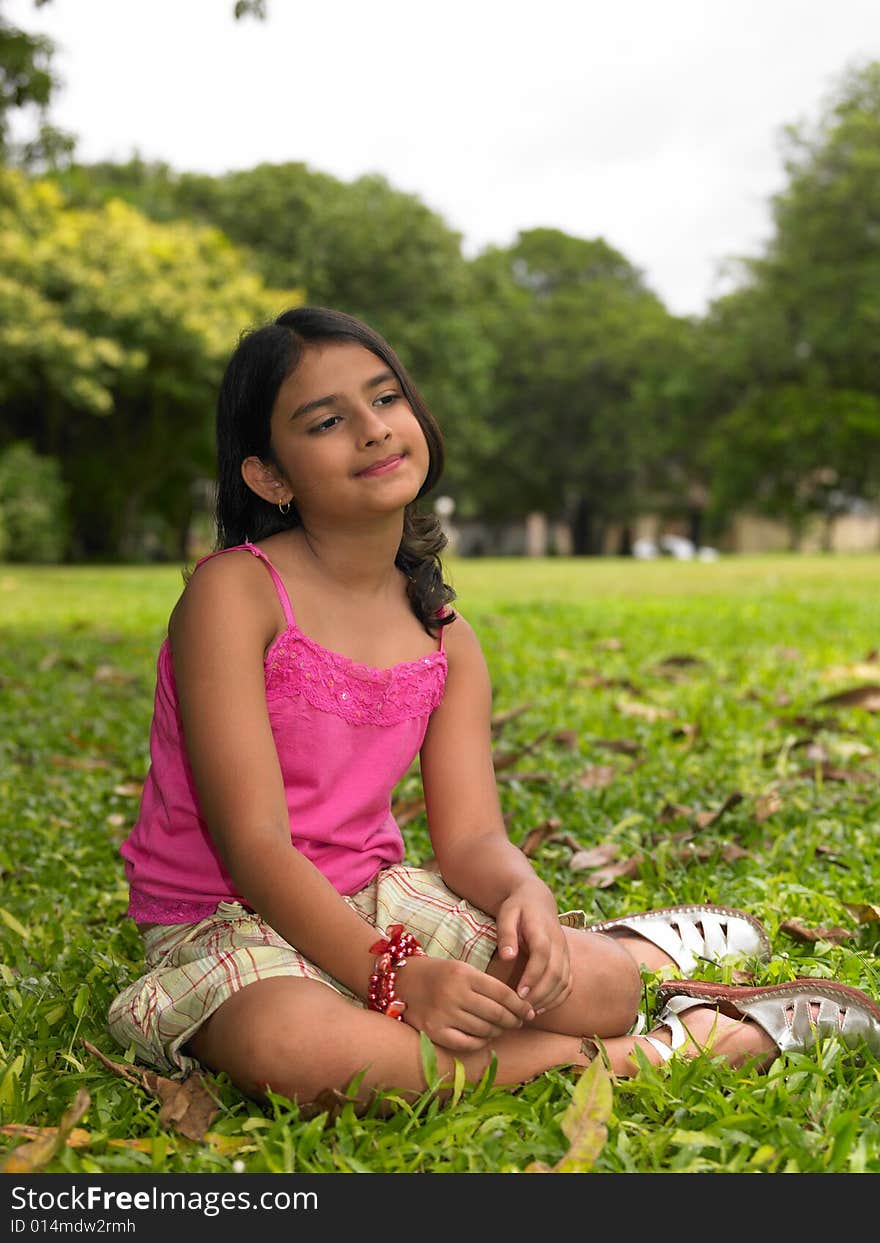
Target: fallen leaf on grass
830 772
500 719
733 851
32 1157
625 746
85 763
800 932
601 682
788 653
605 877
597 776
767 805
109 673
610 645
675 811
583 1123
582 860
706 818
866 696
864 912
538 835
566 738
129 789
187 1105
647 712
506 759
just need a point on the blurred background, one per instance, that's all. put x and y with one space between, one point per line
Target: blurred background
630 255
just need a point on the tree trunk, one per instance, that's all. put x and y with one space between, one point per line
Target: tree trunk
586 529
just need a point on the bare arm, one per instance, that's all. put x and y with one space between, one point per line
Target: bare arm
220 629
477 859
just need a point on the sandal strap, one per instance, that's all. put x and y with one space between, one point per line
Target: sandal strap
689 934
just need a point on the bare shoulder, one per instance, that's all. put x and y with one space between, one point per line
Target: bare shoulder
461 643
232 590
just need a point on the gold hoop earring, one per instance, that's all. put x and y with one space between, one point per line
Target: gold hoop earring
284 507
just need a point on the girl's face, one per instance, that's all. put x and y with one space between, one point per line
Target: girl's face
345 436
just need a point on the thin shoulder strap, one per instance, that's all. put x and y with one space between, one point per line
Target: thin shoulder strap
276 577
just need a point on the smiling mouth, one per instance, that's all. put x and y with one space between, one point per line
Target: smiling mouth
380 468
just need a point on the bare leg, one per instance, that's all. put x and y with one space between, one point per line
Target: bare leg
299 1037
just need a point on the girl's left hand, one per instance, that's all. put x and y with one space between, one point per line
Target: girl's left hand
528 924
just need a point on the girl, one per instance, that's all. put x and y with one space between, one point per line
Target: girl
308 661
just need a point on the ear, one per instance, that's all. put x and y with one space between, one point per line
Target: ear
263 480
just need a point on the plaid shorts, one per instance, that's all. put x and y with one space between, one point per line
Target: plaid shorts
193 968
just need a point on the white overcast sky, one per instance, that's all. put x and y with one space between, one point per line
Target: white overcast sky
655 124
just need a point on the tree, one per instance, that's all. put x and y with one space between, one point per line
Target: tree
794 353
27 80
362 246
114 333
581 389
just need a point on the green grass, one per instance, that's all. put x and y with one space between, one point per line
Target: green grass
562 637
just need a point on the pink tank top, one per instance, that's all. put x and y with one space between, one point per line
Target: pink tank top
345 733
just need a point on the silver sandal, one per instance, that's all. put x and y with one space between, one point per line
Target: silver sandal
691 934
783 1010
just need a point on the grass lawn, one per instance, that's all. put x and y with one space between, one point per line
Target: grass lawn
633 701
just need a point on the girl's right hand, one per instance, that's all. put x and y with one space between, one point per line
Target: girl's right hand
457 1006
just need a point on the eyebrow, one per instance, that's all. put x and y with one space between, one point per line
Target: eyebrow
332 398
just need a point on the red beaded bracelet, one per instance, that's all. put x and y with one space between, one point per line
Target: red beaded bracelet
393 951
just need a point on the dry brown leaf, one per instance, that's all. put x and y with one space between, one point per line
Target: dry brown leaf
407 810
129 789
625 746
605 877
830 772
187 1105
109 673
77 1138
866 696
566 738
685 730
538 835
738 976
647 712
331 1101
506 759
767 805
500 719
583 860
86 763
597 776
864 912
788 653
567 839
733 851
609 645
34 1156
800 932
674 811
704 819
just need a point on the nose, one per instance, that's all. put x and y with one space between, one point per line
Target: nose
372 428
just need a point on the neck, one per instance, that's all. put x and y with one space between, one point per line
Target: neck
359 558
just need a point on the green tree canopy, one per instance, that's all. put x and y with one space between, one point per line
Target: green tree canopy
114 332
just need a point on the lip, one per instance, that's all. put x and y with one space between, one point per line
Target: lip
382 468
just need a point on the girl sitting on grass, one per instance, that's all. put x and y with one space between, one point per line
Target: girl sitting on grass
308 662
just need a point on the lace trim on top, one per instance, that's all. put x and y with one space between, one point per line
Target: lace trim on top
359 694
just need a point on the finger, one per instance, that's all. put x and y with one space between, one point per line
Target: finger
508 938
504 996
535 969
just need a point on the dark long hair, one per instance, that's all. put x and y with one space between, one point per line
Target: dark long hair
263 360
